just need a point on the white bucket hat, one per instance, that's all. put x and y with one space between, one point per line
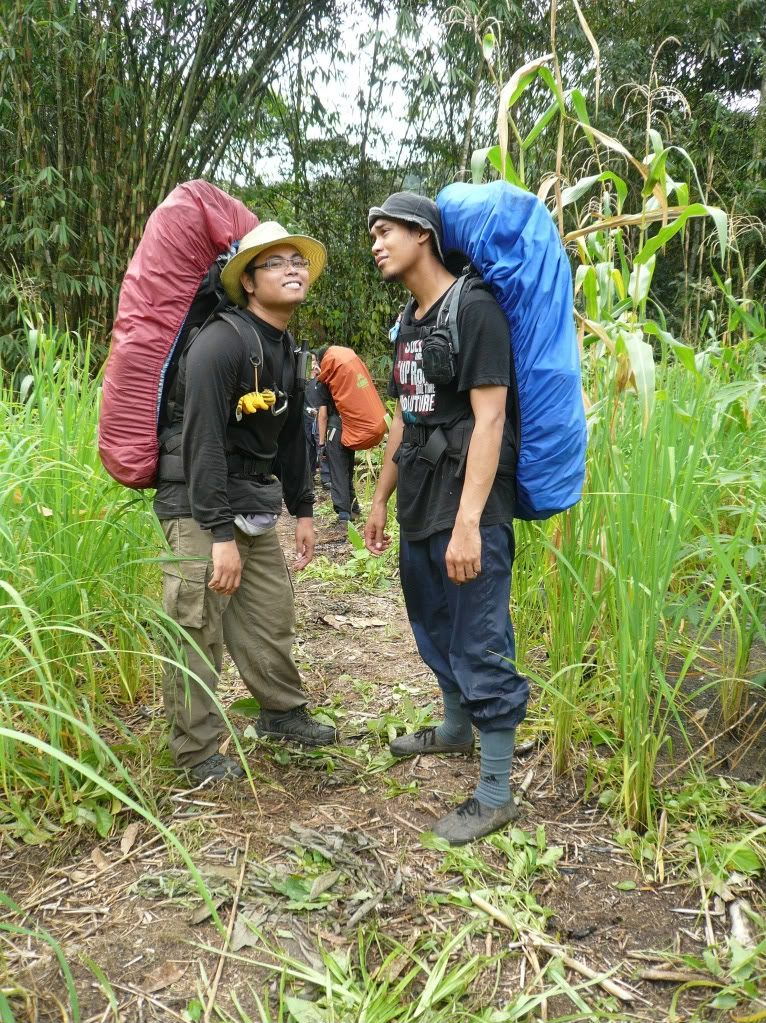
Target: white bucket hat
263 237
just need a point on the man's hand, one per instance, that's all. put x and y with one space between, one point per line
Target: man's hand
463 557
304 542
227 568
376 540
322 449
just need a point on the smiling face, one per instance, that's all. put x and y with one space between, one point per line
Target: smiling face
283 288
397 247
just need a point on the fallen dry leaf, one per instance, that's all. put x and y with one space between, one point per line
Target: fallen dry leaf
45 512
242 934
99 859
17 496
336 621
221 870
203 912
128 838
323 883
163 976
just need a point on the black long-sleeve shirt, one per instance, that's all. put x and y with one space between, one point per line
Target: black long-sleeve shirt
214 373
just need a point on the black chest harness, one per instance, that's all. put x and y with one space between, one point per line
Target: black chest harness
439 358
439 353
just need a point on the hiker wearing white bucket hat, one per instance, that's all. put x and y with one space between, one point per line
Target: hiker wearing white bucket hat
237 411
270 235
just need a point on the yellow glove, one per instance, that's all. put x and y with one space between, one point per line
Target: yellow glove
255 401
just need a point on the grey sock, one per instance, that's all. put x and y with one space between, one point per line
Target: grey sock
456 727
496 756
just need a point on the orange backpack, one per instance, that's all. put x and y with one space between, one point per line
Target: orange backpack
353 393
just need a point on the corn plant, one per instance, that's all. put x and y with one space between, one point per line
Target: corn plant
660 555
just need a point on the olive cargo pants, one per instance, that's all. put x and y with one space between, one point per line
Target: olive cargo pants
257 624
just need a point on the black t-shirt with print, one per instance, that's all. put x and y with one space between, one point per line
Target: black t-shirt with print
428 498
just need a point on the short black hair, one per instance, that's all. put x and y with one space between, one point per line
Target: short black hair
321 353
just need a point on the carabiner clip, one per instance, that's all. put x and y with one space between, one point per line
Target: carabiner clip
278 411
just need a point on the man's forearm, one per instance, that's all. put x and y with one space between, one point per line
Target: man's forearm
322 423
480 469
389 474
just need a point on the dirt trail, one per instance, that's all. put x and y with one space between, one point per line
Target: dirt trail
334 840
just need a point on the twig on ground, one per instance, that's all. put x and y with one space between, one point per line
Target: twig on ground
697 752
91 878
227 939
530 953
150 998
709 932
527 781
553 950
676 976
408 824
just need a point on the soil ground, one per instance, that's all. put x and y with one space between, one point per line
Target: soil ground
132 926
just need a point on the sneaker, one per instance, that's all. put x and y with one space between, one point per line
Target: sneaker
217 768
473 819
425 740
295 724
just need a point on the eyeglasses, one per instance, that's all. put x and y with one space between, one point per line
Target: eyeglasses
280 263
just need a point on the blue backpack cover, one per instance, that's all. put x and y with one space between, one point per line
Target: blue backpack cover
511 240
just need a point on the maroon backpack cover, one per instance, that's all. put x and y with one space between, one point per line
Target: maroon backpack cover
195 224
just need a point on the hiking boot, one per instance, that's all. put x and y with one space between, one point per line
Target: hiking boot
425 740
336 533
295 724
217 768
473 819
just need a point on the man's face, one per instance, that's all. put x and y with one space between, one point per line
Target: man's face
314 366
284 285
395 247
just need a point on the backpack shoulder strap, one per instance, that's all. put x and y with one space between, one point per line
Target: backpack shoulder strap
447 315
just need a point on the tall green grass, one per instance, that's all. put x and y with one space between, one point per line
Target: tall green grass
79 620
659 565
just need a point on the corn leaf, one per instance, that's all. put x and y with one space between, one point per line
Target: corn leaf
478 159
641 358
510 92
696 209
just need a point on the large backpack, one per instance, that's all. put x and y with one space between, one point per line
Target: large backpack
354 395
508 236
161 299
